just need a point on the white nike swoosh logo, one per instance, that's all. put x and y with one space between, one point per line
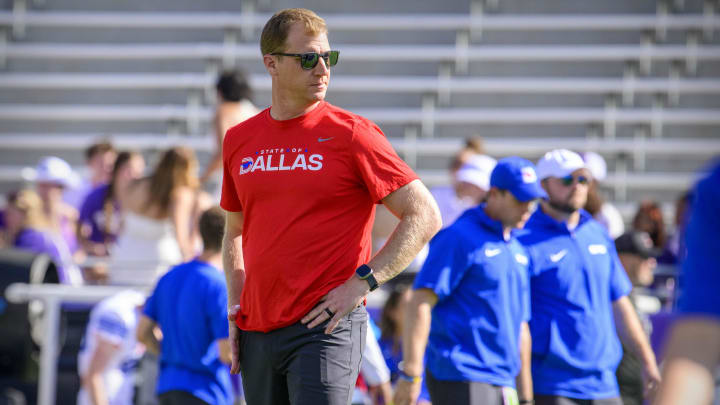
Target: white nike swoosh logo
558 256
521 259
325 139
492 252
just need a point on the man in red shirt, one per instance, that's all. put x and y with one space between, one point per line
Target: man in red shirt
301 180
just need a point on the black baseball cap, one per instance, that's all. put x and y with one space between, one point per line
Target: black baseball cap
637 243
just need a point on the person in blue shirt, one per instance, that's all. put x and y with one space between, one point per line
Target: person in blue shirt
470 303
189 304
693 352
578 287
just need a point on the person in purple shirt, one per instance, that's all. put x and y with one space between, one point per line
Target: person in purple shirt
99 161
100 215
27 229
3 226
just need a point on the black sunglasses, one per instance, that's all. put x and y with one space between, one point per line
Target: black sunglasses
569 179
310 59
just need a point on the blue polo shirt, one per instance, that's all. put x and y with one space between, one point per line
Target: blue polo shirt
574 278
190 305
482 286
701 269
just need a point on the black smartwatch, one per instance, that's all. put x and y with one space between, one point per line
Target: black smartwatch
364 272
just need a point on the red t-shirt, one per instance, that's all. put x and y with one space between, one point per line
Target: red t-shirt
307 188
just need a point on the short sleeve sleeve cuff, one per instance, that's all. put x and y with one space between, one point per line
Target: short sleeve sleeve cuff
445 265
380 167
112 328
149 309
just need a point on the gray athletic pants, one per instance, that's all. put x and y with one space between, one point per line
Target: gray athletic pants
444 392
176 397
558 400
300 366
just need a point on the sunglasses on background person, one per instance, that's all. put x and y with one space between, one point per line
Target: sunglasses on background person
309 60
568 180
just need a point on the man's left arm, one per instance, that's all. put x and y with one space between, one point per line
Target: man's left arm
100 360
419 221
524 378
631 333
691 358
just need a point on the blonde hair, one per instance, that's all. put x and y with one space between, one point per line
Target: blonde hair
276 30
31 205
176 169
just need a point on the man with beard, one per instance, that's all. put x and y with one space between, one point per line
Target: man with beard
470 302
578 287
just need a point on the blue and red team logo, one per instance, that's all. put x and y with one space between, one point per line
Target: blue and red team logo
528 175
246 165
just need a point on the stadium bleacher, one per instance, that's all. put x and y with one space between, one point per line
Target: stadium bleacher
631 81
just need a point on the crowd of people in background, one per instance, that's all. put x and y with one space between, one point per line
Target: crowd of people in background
124 223
132 225
119 215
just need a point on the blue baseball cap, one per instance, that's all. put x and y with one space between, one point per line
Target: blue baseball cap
517 175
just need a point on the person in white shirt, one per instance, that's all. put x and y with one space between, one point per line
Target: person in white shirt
234 106
110 353
374 371
470 185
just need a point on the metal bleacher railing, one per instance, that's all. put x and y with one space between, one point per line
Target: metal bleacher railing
427 116
662 22
399 84
52 297
354 52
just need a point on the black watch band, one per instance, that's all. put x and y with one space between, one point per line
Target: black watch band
364 272
372 283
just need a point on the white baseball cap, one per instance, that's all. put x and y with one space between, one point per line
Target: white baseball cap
559 163
52 169
596 164
477 171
